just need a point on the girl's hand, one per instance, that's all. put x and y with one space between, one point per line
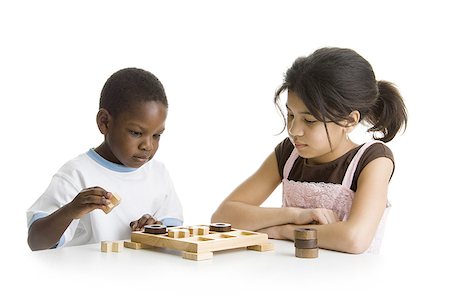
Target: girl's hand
144 220
88 200
302 216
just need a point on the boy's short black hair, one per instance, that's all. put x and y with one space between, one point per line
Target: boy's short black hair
129 86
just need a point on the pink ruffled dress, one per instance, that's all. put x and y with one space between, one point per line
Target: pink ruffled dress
336 197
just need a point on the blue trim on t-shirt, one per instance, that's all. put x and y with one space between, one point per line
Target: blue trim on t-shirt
37 216
40 215
171 222
60 243
107 164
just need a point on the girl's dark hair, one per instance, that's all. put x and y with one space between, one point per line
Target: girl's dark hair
128 86
333 82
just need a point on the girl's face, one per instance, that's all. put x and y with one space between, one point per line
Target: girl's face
309 136
132 137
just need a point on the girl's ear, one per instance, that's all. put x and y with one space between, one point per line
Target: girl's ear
103 120
353 120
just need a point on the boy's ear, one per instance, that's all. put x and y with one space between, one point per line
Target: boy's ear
103 120
353 120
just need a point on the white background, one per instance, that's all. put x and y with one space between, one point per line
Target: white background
220 63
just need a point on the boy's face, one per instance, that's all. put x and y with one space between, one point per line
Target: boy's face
132 137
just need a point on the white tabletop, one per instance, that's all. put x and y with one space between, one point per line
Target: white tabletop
85 271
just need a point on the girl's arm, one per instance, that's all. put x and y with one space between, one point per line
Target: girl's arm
356 233
242 207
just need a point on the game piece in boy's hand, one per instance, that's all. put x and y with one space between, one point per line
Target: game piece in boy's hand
115 200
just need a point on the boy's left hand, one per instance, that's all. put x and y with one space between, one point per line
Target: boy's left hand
144 220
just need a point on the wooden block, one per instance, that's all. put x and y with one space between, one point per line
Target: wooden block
305 234
262 247
307 253
106 246
178 232
135 246
115 200
203 230
132 245
197 256
199 230
117 246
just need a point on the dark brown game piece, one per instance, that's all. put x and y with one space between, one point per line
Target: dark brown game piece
155 229
220 227
306 244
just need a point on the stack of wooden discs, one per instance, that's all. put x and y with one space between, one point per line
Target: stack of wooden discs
306 243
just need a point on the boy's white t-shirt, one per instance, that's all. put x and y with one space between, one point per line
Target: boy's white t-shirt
146 190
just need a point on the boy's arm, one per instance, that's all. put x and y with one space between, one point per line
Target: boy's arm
45 232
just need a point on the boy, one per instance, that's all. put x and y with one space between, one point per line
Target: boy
132 114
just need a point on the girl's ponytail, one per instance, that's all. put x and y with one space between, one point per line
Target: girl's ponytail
388 115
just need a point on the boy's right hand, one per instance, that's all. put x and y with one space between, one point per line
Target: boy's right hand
88 200
146 219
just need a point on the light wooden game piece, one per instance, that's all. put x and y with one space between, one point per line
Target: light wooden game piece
132 245
197 256
155 229
307 253
115 200
199 230
220 227
117 246
262 247
178 232
135 246
203 230
106 246
305 233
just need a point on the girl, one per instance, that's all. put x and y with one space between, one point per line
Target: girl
329 182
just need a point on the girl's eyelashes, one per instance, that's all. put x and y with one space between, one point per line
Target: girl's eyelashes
310 122
290 116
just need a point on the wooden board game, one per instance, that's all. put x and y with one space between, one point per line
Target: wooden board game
199 242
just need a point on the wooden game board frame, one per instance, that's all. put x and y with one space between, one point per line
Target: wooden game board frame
200 247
